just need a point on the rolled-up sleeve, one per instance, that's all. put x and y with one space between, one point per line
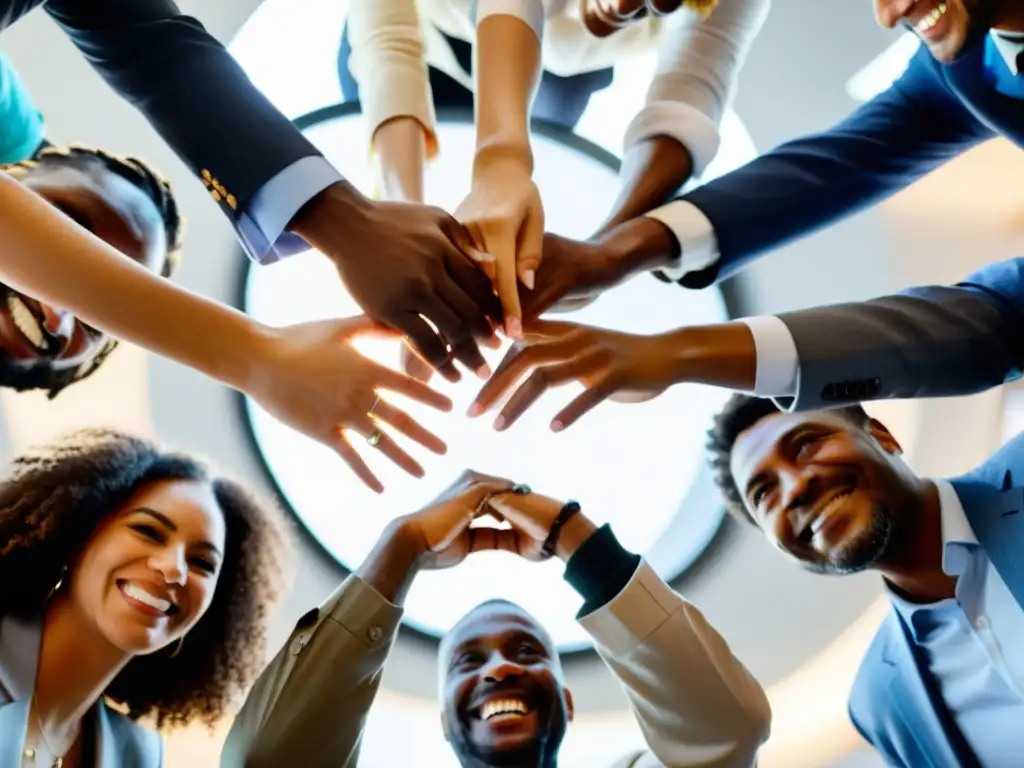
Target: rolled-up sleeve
533 12
389 63
699 60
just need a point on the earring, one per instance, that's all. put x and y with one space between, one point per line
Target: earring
60 582
177 648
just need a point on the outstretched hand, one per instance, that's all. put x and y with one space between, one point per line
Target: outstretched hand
312 378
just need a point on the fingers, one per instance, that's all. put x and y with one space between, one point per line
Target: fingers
387 446
508 285
344 449
474 278
413 366
583 404
456 324
518 360
404 423
543 379
530 249
493 539
411 388
428 345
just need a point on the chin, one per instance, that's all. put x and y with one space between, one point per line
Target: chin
137 641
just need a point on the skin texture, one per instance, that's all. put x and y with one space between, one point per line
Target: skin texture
498 651
115 211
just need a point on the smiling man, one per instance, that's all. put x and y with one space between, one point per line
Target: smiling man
504 702
941 684
123 202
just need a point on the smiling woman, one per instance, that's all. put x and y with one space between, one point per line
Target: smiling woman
121 578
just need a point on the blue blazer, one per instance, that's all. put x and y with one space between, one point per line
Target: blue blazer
895 703
930 115
120 742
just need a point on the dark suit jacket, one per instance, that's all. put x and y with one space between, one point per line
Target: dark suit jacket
895 703
186 84
930 341
931 114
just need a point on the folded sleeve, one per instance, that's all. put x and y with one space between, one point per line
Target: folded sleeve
309 706
699 60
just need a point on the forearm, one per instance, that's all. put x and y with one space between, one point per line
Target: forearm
507 70
652 172
400 145
47 256
720 355
391 566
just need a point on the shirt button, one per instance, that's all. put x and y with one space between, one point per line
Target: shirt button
298 644
374 633
981 623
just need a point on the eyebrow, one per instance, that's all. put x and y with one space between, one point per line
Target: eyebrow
169 524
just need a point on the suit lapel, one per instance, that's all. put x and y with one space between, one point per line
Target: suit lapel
996 516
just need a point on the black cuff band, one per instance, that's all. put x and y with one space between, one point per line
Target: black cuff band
570 509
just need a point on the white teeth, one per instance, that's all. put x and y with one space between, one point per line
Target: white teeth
827 510
931 19
26 322
144 597
503 707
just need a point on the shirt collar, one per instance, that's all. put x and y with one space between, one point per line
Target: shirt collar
957 541
1009 48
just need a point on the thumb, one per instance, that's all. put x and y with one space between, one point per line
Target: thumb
462 240
515 509
530 249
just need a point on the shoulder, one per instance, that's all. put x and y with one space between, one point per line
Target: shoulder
139 746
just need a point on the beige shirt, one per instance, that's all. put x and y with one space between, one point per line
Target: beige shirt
393 41
696 704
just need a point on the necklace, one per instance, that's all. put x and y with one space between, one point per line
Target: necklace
30 753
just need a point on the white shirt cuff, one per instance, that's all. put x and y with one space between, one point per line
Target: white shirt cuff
778 364
530 11
687 125
698 246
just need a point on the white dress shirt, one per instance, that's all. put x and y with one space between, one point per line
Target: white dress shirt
974 642
778 365
698 59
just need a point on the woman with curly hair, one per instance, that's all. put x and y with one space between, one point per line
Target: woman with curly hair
130 578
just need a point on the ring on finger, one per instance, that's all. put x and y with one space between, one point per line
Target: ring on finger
374 438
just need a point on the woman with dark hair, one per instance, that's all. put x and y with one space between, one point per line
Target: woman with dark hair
130 579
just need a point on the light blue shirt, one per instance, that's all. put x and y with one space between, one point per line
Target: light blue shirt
261 225
21 125
974 643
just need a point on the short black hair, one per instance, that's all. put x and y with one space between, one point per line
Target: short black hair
137 172
739 414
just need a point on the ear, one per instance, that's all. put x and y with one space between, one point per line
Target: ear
884 437
444 725
570 710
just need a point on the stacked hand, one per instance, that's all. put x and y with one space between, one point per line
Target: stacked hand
505 219
611 365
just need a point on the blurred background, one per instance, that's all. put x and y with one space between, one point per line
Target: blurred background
640 467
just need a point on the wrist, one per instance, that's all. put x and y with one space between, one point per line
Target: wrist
574 533
254 360
642 244
722 355
503 151
394 562
338 206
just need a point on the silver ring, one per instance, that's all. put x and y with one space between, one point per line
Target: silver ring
376 402
374 438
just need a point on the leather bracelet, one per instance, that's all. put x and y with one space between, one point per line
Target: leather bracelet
566 513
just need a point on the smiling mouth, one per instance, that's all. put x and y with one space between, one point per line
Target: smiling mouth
503 710
823 515
138 595
931 19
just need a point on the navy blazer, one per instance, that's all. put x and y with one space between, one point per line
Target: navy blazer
895 703
930 115
187 85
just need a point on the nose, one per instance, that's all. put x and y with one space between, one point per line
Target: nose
170 563
886 13
498 668
797 488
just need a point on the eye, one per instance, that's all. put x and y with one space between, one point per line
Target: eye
806 444
203 564
467 658
758 496
149 532
528 649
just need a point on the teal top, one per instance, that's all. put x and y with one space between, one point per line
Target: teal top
21 124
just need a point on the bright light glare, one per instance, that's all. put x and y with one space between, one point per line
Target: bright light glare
884 70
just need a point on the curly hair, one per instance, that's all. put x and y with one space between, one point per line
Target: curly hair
56 497
739 414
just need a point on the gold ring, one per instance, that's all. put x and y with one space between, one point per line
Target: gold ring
374 438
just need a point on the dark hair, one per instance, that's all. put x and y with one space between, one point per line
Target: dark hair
53 501
146 179
138 173
739 414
